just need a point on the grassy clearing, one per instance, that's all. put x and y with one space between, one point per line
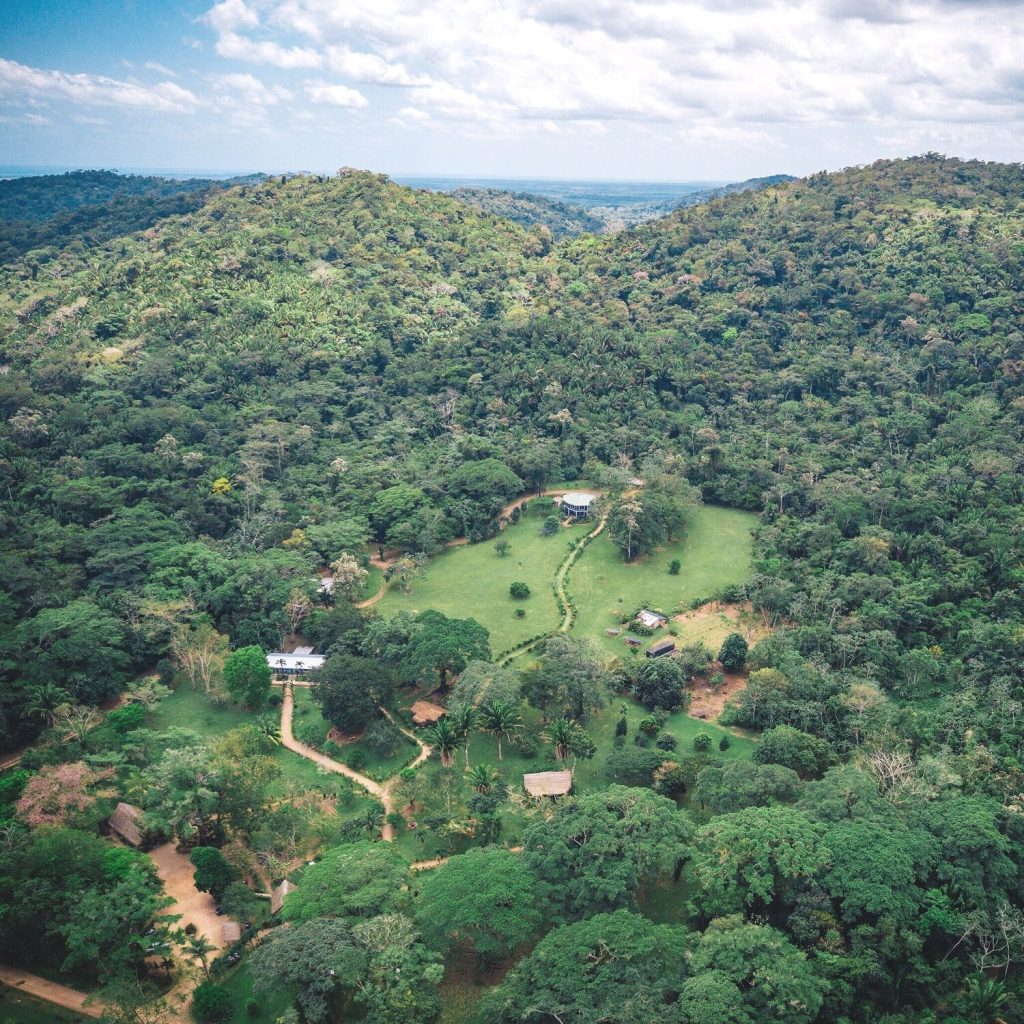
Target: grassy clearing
715 552
189 709
472 581
373 581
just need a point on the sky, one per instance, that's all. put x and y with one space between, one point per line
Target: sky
673 90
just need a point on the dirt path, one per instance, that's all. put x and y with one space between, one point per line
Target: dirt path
198 908
382 792
50 991
371 601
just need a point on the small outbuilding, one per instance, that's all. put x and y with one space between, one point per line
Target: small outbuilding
652 620
550 784
425 713
630 640
126 822
660 649
577 504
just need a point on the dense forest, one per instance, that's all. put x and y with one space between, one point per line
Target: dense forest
563 220
201 412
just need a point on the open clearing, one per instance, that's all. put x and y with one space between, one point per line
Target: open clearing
472 581
716 552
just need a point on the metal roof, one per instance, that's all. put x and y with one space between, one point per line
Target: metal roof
578 498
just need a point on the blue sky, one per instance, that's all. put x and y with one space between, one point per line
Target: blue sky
643 89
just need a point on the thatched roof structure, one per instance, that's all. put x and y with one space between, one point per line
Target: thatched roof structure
278 894
126 821
424 713
547 783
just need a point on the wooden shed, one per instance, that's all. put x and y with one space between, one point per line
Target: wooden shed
660 649
126 822
425 713
547 783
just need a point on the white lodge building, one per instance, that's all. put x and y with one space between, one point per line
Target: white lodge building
301 660
577 503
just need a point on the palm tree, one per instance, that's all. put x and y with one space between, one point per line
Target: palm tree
464 717
44 700
560 732
200 948
269 729
500 720
444 738
482 778
373 818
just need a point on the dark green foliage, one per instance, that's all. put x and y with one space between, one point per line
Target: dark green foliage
733 654
559 220
213 874
349 690
807 755
518 590
659 683
247 676
212 1002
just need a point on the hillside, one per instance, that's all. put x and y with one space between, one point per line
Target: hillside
198 418
92 207
563 220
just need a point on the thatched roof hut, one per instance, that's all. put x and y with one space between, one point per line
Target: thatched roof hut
547 783
126 822
278 894
425 713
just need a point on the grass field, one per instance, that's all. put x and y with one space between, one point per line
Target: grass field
715 552
472 581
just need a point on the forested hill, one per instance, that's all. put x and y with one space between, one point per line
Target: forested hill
92 207
749 185
563 220
842 353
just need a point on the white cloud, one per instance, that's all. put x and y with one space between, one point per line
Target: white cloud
160 69
18 81
338 95
722 71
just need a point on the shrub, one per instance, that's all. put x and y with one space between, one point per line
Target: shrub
519 590
252 1007
526 746
621 726
313 732
520 613
733 654
355 759
619 740
666 741
674 566
724 744
212 1002
274 700
702 742
642 739
396 821
650 725
131 716
382 738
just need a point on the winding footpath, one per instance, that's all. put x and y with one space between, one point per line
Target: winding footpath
50 991
382 792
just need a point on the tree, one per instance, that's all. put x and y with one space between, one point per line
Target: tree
734 785
349 577
733 653
560 734
482 778
749 861
502 547
659 684
464 719
596 849
60 795
212 1002
317 958
570 680
247 676
519 591
701 741
360 880
611 967
674 566
502 720
297 608
746 973
483 899
198 947
807 755
213 874
444 737
184 795
443 646
75 721
349 690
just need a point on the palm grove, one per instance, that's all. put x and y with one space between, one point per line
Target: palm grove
197 417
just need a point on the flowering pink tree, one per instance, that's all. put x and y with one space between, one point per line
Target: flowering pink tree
59 793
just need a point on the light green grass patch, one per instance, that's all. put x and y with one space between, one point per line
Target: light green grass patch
716 552
472 581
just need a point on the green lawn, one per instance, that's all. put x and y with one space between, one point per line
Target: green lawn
715 552
472 581
373 580
190 709
269 1004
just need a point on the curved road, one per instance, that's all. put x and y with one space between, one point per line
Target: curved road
382 792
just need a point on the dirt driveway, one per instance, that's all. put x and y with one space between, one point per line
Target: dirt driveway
195 907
